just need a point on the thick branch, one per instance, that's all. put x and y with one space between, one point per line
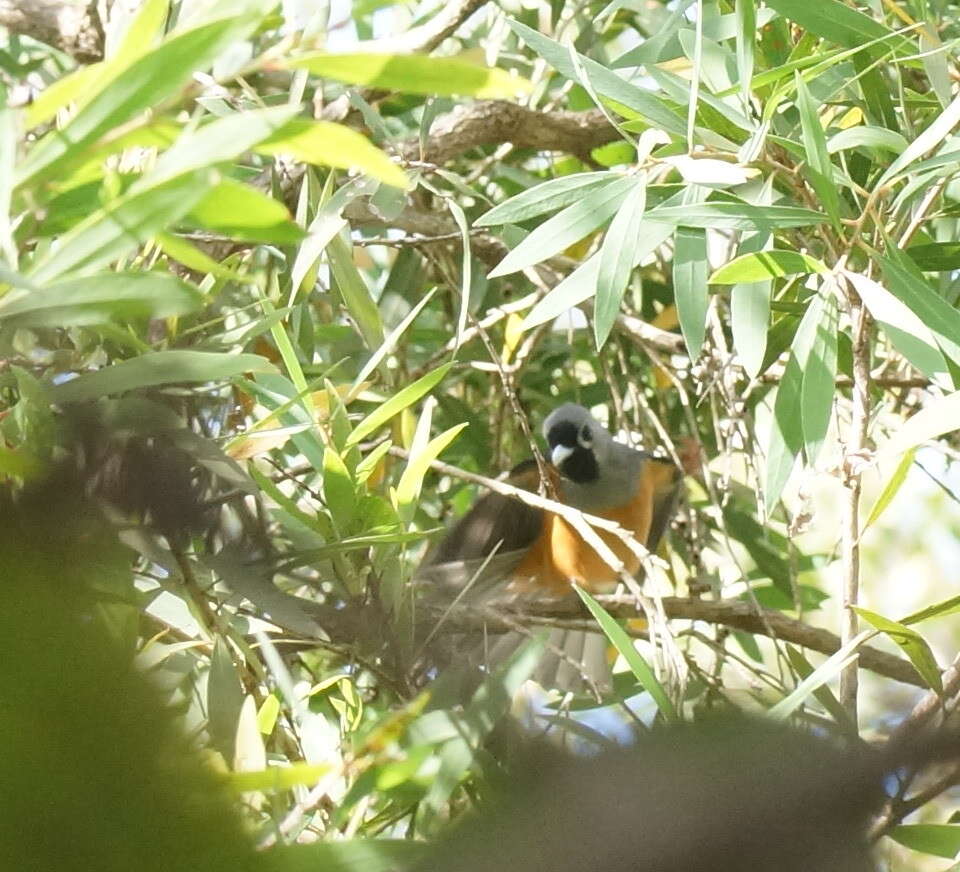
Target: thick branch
493 122
736 614
73 27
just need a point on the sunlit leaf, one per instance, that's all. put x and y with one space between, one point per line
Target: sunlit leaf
415 74
911 643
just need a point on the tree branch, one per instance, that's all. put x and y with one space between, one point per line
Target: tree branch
736 614
494 122
73 27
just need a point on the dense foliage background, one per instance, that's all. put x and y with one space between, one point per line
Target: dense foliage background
284 257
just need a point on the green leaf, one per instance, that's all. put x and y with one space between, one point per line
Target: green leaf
940 840
616 260
268 713
759 266
144 85
938 416
928 140
763 547
101 298
244 213
937 315
909 335
581 284
567 227
277 777
397 403
823 694
690 286
328 144
939 610
339 491
185 252
353 290
866 136
127 222
891 488
219 141
911 643
936 256
224 699
543 198
412 74
750 319
408 488
786 433
819 381
826 671
605 82
837 22
736 216
624 644
157 368
819 168
746 16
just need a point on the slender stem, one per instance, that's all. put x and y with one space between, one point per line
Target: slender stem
856 443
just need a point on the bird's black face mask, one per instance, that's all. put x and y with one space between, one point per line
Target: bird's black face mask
571 450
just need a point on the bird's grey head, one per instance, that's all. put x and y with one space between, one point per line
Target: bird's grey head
578 443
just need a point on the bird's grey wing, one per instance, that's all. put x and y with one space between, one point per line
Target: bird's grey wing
496 525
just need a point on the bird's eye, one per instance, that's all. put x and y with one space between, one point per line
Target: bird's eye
586 437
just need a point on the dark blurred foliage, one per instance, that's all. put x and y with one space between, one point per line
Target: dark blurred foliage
95 776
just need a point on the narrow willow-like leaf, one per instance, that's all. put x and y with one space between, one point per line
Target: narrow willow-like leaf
408 488
891 488
101 298
819 381
543 198
909 335
128 221
616 260
938 316
355 293
746 15
244 213
624 645
397 403
218 141
413 74
826 671
567 227
334 145
929 139
750 320
736 216
606 82
911 643
866 136
759 266
144 84
936 256
819 167
158 368
339 492
939 840
834 20
786 433
690 286
937 417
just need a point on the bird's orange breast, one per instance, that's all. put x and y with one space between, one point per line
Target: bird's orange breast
560 556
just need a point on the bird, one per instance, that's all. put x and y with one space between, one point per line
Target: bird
537 553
